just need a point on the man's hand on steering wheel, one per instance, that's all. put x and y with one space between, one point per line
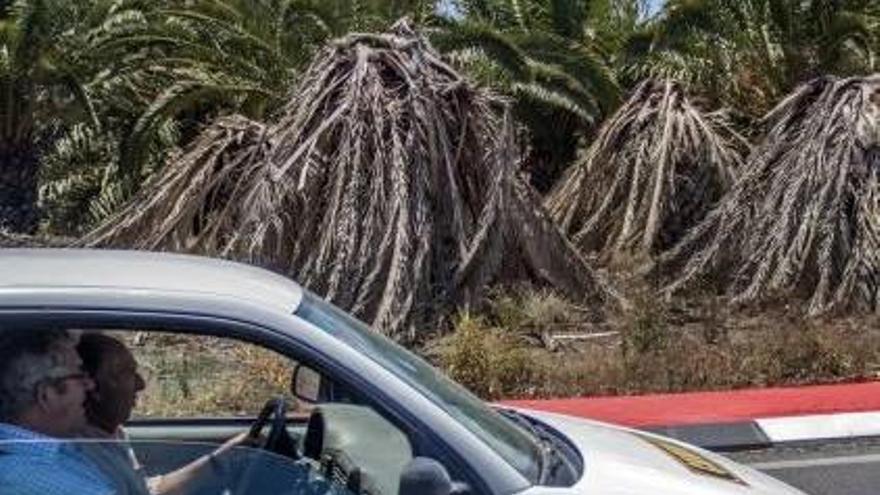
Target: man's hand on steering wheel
277 440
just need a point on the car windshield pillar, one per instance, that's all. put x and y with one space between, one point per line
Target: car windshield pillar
511 441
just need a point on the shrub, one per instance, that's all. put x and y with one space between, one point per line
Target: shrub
487 360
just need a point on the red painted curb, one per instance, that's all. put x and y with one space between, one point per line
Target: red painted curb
715 407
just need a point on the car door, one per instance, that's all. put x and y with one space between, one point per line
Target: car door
182 415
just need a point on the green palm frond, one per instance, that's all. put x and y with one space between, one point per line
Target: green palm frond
105 203
847 33
181 96
750 53
33 20
45 65
568 18
76 170
497 46
576 60
557 83
556 58
540 95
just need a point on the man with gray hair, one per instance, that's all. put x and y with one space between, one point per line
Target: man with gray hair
42 402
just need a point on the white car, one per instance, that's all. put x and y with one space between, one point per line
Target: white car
372 418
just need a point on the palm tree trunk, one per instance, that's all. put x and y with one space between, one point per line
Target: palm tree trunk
18 187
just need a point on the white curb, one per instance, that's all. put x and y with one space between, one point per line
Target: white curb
820 427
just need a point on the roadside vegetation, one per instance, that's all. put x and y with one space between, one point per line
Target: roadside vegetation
534 344
546 197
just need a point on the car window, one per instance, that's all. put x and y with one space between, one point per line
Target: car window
166 402
191 377
201 376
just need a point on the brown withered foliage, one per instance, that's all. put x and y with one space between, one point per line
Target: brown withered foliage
388 186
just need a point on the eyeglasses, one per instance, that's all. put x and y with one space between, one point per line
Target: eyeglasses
59 377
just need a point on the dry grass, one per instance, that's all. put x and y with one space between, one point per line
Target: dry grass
705 345
503 353
487 361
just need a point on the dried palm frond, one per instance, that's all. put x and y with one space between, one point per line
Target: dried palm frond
200 198
655 169
409 196
804 219
390 190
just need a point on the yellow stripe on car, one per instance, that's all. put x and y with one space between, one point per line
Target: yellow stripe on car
692 460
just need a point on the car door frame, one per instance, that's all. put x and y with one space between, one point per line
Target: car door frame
434 429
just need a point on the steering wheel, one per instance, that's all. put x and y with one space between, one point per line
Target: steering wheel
259 475
274 414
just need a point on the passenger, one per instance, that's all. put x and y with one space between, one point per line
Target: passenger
43 390
111 402
117 384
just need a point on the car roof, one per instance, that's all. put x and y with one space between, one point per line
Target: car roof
60 269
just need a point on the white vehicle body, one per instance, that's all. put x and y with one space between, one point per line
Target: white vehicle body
622 461
82 287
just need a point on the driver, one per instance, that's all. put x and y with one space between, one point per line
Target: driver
110 403
42 394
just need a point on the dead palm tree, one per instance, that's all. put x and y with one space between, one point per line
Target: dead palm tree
804 219
655 169
201 197
389 188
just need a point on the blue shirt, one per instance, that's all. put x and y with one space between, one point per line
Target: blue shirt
34 464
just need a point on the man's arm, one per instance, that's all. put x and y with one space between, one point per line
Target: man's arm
205 469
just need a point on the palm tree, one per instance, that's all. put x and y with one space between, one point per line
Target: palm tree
656 167
750 53
168 68
234 56
42 70
388 186
554 57
803 221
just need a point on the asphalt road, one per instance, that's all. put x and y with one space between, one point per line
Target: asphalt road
838 468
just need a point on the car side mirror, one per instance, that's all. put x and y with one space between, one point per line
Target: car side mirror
426 476
305 384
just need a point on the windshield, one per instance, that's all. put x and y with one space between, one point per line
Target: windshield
515 445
